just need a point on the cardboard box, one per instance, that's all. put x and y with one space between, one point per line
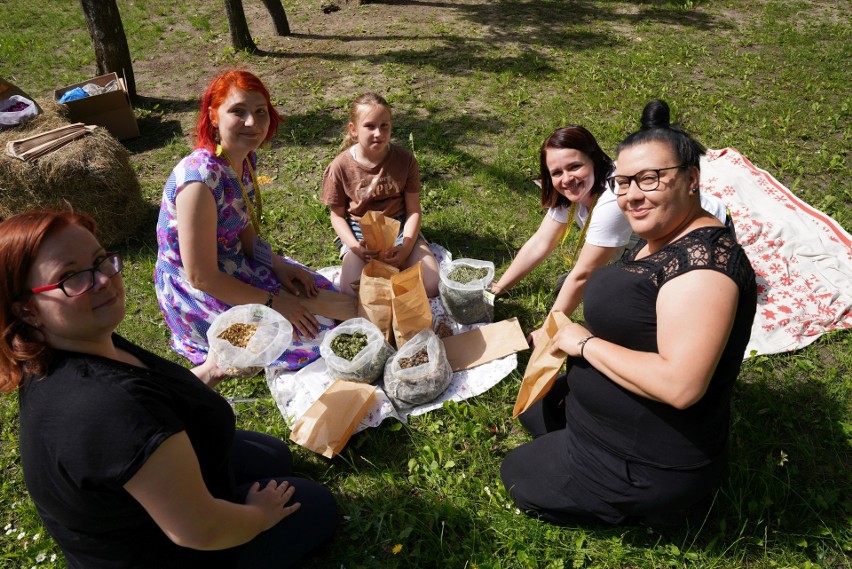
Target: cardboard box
110 110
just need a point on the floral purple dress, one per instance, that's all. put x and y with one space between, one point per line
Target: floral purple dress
189 312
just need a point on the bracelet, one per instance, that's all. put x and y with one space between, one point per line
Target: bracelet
582 344
269 299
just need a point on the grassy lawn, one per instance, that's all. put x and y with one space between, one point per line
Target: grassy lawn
476 86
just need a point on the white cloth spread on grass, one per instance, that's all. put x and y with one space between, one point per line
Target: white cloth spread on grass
295 392
802 257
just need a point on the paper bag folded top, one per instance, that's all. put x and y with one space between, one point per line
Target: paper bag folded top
327 425
411 310
379 232
543 367
375 295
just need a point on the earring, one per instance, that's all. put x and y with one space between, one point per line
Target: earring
694 190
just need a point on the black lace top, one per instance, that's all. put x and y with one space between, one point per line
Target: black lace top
620 306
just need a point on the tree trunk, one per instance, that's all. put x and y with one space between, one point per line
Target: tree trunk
279 17
109 41
240 36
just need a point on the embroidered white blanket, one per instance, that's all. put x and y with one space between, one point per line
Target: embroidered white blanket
801 256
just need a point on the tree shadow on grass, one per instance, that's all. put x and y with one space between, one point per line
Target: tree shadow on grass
538 26
154 131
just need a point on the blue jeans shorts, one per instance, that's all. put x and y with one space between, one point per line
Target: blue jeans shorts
356 230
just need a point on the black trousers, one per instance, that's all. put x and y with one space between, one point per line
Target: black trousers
563 476
260 457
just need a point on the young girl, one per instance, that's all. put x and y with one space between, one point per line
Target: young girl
371 174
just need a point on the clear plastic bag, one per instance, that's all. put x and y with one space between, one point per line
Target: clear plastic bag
421 383
367 365
14 118
470 302
271 338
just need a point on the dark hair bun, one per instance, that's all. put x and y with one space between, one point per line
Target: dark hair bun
655 115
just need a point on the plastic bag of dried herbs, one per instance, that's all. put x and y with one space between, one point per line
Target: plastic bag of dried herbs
247 338
419 372
356 350
464 290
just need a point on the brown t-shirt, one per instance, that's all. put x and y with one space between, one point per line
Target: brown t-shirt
360 189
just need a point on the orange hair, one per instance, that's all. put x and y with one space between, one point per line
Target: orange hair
217 92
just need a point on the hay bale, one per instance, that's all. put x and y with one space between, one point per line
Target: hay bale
92 173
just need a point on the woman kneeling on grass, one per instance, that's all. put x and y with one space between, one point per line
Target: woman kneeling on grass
131 460
574 170
639 427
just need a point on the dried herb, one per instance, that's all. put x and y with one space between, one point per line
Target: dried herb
347 346
464 274
417 359
238 334
443 330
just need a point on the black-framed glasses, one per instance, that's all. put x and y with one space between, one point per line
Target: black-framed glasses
84 281
646 180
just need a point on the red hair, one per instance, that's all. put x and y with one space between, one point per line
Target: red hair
22 350
217 92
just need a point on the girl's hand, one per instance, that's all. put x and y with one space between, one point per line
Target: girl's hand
272 500
397 256
290 275
301 318
364 253
566 339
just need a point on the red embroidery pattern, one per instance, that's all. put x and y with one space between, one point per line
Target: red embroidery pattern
804 286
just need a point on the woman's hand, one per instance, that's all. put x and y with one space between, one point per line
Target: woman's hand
567 340
291 276
535 337
208 372
301 318
272 500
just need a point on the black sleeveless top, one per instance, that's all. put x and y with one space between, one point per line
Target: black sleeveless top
620 306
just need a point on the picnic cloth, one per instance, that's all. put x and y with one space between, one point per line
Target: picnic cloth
802 258
295 392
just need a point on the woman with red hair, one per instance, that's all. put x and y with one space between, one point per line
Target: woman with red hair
131 461
210 252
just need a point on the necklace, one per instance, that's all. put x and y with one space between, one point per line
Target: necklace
572 211
255 211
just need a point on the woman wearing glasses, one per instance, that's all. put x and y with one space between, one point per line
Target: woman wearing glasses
574 170
130 460
639 427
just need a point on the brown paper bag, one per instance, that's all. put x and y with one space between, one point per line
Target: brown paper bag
328 303
543 367
411 311
375 295
326 426
484 344
379 232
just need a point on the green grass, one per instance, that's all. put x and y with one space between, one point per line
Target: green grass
476 86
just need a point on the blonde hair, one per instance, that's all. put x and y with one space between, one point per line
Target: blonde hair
355 111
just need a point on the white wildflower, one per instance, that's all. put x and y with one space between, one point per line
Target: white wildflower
40 558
